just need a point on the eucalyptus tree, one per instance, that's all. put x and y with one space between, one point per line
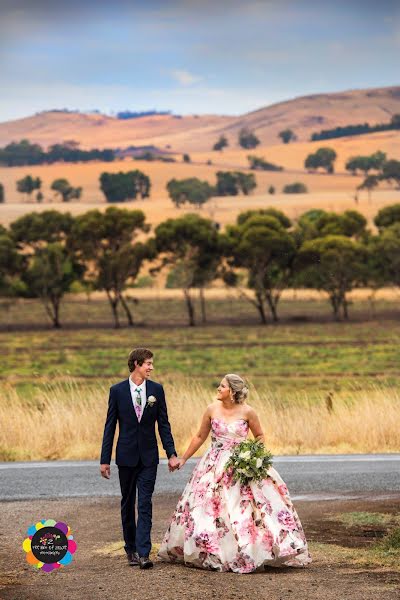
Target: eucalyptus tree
262 245
335 264
107 243
49 267
192 244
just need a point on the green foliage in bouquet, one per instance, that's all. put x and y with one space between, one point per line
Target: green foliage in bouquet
249 461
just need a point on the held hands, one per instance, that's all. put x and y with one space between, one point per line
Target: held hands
175 463
105 471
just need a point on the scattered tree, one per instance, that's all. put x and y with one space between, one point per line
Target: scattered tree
247 139
190 190
120 187
257 163
221 143
391 171
287 135
232 183
366 163
65 190
369 184
323 158
27 185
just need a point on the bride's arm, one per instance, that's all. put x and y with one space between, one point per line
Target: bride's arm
255 425
199 438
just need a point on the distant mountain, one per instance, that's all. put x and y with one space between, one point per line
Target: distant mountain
304 115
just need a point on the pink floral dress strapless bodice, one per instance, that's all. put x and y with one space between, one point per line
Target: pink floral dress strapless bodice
225 526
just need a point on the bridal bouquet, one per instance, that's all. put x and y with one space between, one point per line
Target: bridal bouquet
249 461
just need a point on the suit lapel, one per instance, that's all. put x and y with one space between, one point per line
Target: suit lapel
149 385
128 396
149 392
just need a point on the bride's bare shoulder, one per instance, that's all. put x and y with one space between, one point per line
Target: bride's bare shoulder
211 408
249 411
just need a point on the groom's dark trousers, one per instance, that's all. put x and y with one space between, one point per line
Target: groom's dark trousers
137 536
137 457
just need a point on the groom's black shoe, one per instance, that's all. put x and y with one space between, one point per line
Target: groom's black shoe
145 562
133 558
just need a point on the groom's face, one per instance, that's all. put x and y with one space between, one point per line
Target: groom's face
145 369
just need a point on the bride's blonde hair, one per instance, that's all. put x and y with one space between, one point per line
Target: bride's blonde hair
238 387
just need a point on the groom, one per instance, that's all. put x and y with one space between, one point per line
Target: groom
137 403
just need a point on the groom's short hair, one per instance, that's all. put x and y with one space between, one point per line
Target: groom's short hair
139 355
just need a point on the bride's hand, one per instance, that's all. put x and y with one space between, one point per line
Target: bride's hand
181 463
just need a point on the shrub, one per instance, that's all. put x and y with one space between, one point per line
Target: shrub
295 188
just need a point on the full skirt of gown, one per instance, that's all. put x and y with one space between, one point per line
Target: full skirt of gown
222 525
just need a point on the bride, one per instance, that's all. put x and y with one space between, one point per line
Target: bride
220 524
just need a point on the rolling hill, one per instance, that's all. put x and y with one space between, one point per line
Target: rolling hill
192 133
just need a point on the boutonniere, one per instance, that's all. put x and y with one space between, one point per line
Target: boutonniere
151 400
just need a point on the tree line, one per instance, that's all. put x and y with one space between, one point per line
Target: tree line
359 129
25 153
43 254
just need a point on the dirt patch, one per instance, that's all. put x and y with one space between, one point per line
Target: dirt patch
341 566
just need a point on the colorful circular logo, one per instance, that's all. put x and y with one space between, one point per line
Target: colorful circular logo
49 545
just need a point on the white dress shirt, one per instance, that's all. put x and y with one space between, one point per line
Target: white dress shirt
142 387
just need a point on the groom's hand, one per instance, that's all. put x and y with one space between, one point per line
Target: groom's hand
173 463
105 471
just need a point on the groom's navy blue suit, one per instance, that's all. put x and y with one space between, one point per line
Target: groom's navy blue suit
137 457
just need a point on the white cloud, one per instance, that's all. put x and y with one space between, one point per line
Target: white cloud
184 77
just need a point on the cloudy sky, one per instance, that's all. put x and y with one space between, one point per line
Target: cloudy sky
226 57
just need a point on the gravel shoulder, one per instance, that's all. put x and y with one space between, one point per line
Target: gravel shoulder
343 566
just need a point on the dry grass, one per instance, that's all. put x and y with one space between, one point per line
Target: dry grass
332 192
221 292
66 421
292 156
304 115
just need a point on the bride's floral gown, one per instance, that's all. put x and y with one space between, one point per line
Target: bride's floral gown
221 525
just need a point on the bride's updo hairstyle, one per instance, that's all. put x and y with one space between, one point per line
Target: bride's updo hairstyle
238 387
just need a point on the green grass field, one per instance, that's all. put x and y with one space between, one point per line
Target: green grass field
60 378
290 356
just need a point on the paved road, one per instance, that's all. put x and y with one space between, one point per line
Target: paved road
308 477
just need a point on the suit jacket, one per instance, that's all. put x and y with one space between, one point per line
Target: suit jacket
137 439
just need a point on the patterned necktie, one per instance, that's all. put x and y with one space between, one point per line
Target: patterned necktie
138 404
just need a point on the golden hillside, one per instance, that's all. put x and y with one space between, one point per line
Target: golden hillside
329 191
304 115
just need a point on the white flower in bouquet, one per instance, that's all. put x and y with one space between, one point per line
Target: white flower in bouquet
245 455
249 461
